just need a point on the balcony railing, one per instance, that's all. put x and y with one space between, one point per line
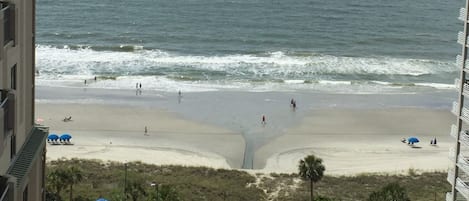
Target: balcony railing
465 115
462 188
455 109
450 176
464 112
465 90
459 60
464 137
462 14
463 163
454 131
449 196
452 154
461 38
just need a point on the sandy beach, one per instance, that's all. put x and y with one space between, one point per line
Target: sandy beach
349 140
364 141
118 133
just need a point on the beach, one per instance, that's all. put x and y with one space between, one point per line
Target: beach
224 130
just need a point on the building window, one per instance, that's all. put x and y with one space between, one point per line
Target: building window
13 77
7 10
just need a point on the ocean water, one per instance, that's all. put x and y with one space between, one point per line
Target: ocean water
357 46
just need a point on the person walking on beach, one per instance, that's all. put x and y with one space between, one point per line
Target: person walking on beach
140 85
146 131
136 85
263 120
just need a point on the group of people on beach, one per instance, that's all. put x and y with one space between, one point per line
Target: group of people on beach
433 141
292 105
95 78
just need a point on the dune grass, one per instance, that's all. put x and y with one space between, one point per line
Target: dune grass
200 183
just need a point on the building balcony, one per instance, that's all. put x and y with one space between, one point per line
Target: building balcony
463 163
450 176
461 38
464 112
454 131
464 138
449 197
462 187
465 90
460 61
455 108
452 154
30 152
462 14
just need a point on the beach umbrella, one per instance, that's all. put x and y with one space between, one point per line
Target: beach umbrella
101 199
413 140
53 137
65 136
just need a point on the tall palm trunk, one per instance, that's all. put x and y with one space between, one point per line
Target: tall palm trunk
311 189
71 192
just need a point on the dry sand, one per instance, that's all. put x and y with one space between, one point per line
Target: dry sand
349 141
364 141
117 133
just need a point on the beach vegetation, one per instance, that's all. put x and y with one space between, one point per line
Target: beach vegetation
73 175
312 169
390 192
55 183
107 77
106 179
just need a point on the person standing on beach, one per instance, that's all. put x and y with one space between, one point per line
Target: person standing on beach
136 85
140 85
146 130
263 120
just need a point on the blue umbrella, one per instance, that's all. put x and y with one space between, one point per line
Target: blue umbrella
101 199
53 137
412 140
65 137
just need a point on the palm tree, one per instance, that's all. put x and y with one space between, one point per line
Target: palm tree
312 169
73 176
56 180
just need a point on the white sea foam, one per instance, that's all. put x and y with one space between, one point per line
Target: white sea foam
165 71
437 85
